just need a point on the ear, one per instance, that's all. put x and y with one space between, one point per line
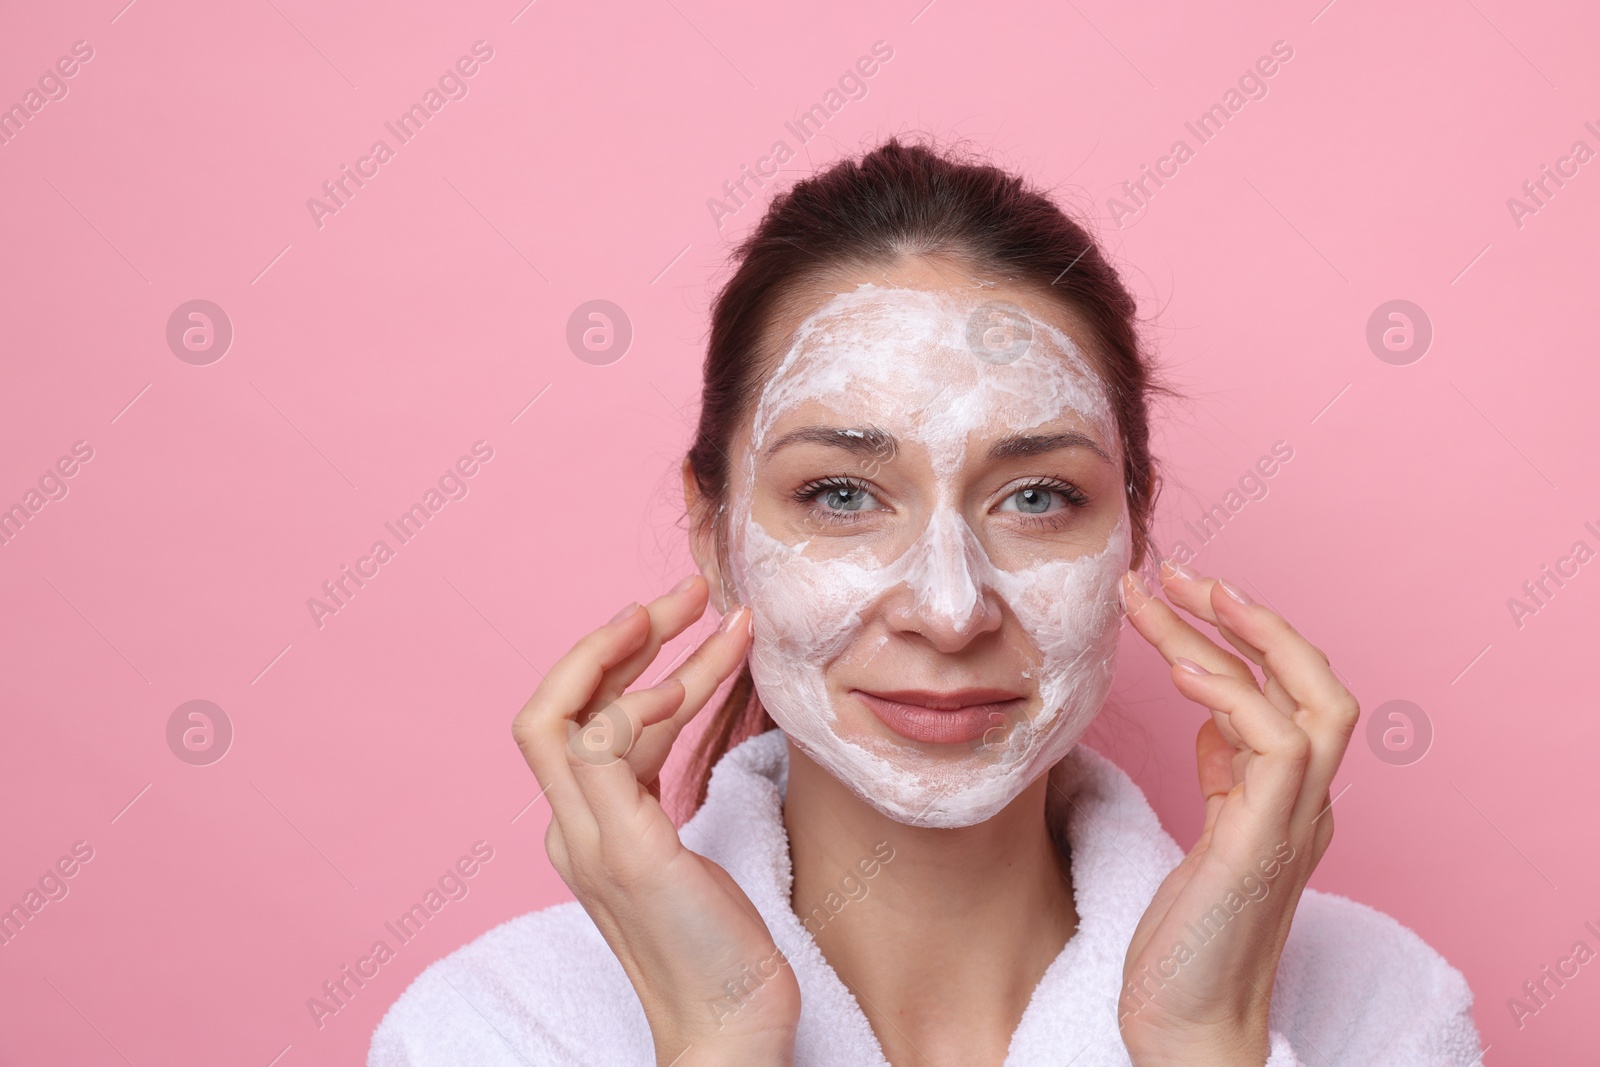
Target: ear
702 537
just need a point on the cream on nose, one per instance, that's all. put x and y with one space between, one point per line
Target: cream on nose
944 570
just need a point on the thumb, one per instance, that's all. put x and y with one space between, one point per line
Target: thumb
1214 760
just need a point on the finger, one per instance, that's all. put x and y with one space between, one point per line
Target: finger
717 658
1214 761
1175 639
1323 707
710 665
1191 593
570 685
597 753
670 614
1300 667
1273 778
1173 636
611 733
570 818
555 846
540 727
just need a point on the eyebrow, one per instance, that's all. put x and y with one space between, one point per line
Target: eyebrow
1024 445
871 441
862 441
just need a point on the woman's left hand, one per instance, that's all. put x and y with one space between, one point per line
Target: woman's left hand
1199 971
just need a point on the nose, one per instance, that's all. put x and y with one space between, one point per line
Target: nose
944 597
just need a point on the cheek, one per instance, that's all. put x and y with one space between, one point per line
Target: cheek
1065 604
1072 613
808 613
804 610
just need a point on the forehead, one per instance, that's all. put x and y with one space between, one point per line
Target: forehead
937 364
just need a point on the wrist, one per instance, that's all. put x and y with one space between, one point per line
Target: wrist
1233 1046
725 1052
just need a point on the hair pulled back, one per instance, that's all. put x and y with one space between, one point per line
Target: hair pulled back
897 201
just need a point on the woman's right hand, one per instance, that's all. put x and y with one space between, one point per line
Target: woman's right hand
714 986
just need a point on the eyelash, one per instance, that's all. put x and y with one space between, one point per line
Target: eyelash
1075 499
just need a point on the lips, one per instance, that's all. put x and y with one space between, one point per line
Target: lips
941 717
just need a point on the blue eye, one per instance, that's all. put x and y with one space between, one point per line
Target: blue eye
1044 498
838 496
1033 500
845 498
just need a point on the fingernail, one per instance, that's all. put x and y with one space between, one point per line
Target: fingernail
1190 665
686 583
1234 591
1141 590
1137 581
732 619
1174 569
625 612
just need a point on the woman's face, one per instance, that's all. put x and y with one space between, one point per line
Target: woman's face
927 518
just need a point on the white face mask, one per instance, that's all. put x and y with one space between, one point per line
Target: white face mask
928 368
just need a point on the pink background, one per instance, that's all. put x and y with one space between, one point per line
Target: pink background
370 353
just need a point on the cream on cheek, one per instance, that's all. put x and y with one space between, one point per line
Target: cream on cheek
900 360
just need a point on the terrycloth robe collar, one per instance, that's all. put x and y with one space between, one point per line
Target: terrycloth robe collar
1353 986
1119 855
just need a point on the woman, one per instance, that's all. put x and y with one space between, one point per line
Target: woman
920 480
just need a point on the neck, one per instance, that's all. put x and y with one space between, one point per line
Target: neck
941 934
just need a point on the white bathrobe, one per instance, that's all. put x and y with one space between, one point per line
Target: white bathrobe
1354 987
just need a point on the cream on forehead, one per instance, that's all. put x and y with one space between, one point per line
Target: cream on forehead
913 363
870 350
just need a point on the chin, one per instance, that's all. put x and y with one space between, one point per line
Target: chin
930 766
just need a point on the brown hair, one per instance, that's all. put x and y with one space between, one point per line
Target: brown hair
900 200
